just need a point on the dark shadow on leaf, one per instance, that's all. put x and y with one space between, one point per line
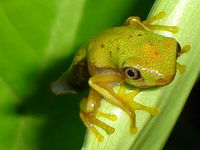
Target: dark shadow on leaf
62 128
186 133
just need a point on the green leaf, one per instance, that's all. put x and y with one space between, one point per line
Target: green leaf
154 131
37 42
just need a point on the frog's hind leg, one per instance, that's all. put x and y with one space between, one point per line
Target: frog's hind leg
136 21
89 114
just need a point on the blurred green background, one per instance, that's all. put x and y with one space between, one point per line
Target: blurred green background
38 39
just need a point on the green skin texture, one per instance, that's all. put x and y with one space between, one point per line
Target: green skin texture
128 46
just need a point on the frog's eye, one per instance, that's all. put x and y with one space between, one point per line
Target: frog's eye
178 49
132 73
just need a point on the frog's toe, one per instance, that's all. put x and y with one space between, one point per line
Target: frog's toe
133 130
102 125
105 115
154 111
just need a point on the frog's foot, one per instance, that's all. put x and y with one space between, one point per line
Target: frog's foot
90 115
181 68
90 120
136 21
128 99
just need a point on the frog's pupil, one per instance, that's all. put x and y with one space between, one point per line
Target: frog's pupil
130 73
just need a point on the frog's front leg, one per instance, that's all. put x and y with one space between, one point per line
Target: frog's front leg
136 21
120 99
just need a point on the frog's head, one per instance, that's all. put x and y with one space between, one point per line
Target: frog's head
153 66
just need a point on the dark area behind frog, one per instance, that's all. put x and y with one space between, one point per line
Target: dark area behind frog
186 133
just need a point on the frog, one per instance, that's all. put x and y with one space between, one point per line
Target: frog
129 54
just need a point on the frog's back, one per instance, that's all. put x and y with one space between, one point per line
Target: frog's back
115 45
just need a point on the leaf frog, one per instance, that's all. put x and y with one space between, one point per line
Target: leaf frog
131 54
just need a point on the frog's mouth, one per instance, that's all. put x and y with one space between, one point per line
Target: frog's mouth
162 82
165 81
148 83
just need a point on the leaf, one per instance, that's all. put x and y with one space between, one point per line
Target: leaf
37 42
154 131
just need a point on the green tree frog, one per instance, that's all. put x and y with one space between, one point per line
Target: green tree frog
131 54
